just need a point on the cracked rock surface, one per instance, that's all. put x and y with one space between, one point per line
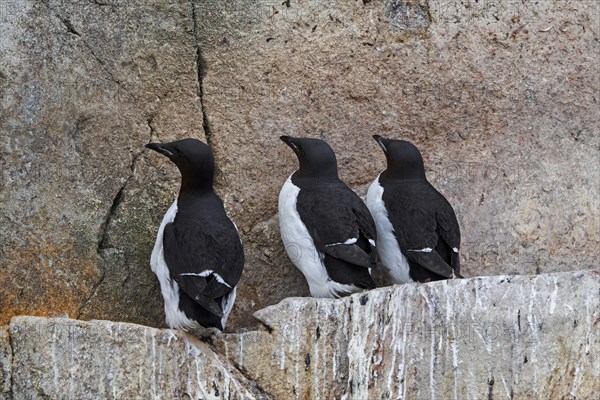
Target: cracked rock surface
84 86
500 96
525 337
502 100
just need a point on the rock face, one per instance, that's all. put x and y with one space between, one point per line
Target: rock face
5 363
491 337
68 359
501 98
84 85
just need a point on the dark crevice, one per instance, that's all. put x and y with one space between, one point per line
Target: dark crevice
201 74
201 70
70 26
12 364
118 199
103 241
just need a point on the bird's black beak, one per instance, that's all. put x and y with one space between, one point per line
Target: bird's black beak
380 142
289 141
160 148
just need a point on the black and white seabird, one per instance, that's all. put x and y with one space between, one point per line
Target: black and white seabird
419 236
198 256
326 229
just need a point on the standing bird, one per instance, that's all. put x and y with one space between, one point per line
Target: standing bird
419 236
326 229
198 256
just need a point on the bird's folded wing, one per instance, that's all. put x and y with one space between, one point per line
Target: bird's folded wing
449 232
351 253
337 230
431 261
200 282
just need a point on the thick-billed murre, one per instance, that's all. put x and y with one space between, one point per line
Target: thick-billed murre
326 228
417 230
198 256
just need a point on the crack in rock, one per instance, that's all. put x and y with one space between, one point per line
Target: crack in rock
103 244
71 29
201 74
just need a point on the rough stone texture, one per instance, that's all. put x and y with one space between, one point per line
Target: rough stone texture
61 358
506 336
84 85
303 353
502 97
492 337
5 362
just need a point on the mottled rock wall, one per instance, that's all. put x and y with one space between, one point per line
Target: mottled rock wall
522 337
502 97
84 86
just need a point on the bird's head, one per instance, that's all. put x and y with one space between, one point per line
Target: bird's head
404 160
316 158
193 158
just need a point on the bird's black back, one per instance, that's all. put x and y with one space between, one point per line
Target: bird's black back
422 217
201 238
333 213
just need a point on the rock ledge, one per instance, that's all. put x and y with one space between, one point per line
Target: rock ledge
499 336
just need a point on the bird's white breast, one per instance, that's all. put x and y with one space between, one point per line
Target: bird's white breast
387 245
301 249
174 317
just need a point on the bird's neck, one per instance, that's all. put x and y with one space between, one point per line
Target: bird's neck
406 171
197 184
317 173
191 197
313 178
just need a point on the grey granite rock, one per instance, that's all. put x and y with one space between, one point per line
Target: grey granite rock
60 358
489 337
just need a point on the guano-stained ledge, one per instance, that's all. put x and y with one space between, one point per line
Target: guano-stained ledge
487 337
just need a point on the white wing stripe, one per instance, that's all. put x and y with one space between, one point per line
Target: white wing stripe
220 279
203 274
425 250
349 241
206 273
